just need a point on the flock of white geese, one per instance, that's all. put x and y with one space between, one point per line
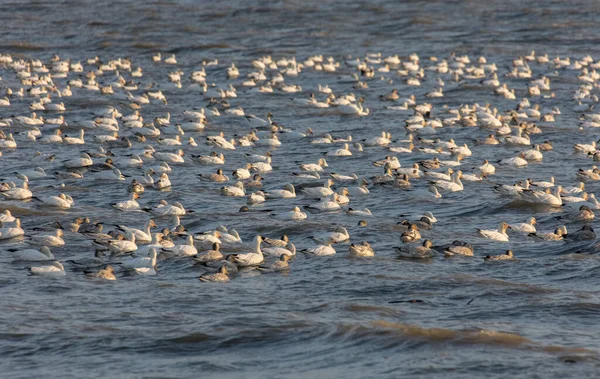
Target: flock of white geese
42 105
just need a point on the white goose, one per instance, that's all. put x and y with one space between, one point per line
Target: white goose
60 201
496 235
287 192
32 255
319 192
128 205
75 140
543 197
236 190
17 193
326 204
141 235
322 250
52 269
7 232
525 227
116 246
295 215
455 185
165 209
186 250
339 235
49 239
143 265
253 258
84 160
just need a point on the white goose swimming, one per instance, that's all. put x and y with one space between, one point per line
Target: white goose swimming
84 160
455 185
32 255
186 250
142 265
61 201
165 209
326 204
295 215
518 161
314 167
36 173
339 235
363 249
9 142
496 235
141 235
253 258
75 140
52 269
383 140
257 197
277 251
236 190
7 232
128 205
321 250
17 193
118 246
162 182
287 192
526 227
176 157
543 197
49 239
319 192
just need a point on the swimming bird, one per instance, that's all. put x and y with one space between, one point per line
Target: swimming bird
295 214
287 192
363 249
165 209
118 246
314 167
496 235
8 232
128 205
416 252
52 269
280 265
18 193
322 250
141 235
558 235
584 213
107 273
585 234
319 192
325 204
214 254
49 239
236 190
502 257
142 265
542 197
186 250
458 248
277 251
221 276
526 227
43 254
253 258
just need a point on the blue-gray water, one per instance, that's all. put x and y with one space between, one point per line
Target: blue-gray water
328 317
